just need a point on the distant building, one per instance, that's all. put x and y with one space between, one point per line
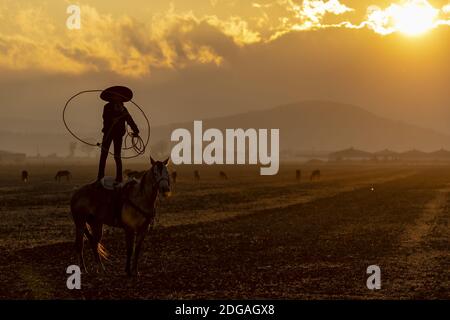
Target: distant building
389 155
350 154
441 155
11 157
414 155
386 155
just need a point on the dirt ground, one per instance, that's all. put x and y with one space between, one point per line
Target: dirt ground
245 237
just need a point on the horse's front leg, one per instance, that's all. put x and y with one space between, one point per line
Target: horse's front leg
139 241
129 238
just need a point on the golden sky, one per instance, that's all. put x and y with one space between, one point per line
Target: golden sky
212 57
130 37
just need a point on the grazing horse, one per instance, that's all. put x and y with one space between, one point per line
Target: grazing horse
63 173
223 175
298 175
93 206
24 176
315 175
196 175
173 176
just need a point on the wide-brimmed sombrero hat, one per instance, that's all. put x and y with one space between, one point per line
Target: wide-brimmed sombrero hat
115 93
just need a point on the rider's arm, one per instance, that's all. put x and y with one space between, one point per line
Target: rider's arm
131 122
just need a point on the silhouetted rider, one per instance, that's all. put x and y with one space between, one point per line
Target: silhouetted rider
115 117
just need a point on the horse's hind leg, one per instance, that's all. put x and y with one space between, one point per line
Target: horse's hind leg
97 233
79 243
139 240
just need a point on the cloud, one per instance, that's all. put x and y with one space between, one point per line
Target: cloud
236 28
30 39
410 17
406 16
123 45
305 15
261 5
446 8
311 12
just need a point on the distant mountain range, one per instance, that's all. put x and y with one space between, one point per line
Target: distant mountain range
307 125
322 125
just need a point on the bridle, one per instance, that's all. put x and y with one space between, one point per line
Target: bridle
156 183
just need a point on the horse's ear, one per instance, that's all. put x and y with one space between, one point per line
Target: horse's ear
166 162
153 162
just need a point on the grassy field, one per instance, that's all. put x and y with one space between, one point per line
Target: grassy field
245 237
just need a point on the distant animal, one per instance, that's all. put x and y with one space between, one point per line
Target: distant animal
131 174
63 173
223 175
174 175
25 176
298 175
315 175
196 175
92 206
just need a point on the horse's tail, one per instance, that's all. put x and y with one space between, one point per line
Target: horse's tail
100 248
102 251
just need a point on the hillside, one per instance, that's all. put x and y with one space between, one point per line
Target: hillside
322 125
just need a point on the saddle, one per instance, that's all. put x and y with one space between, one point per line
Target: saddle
109 183
120 192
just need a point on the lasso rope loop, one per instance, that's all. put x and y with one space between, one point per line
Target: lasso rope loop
137 144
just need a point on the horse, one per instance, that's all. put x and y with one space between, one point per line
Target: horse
63 173
173 176
196 175
298 175
315 175
25 176
92 206
223 175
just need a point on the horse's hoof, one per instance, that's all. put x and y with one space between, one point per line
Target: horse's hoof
100 271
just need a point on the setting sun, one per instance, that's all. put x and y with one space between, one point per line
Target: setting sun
414 18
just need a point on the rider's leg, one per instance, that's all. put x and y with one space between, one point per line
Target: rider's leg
117 157
106 143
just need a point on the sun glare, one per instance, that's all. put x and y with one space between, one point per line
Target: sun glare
414 18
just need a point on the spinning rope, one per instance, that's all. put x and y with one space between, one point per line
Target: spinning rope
131 141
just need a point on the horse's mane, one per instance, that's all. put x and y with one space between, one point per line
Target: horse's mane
144 177
142 183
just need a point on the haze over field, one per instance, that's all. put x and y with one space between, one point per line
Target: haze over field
307 125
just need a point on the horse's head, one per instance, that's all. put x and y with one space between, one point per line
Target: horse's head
160 176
